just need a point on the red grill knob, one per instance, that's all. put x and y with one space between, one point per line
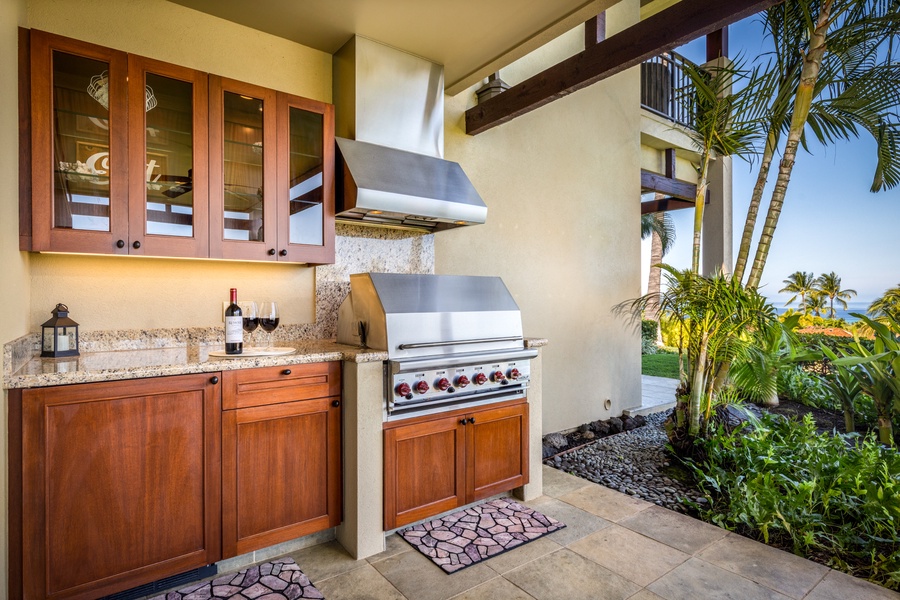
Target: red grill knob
497 376
403 389
443 384
422 387
462 381
513 373
480 378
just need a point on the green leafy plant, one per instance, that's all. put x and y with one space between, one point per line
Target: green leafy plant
648 336
843 384
756 372
798 385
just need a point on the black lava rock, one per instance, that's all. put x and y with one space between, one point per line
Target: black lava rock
628 423
640 420
601 428
615 425
547 451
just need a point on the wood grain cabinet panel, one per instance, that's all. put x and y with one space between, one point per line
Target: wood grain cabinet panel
436 463
120 484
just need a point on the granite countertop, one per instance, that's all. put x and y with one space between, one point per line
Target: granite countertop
156 362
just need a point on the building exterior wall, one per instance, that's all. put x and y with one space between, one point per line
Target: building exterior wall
562 185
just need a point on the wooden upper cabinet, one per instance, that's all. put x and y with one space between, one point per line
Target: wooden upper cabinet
79 146
168 141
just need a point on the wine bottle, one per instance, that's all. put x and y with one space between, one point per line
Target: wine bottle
234 330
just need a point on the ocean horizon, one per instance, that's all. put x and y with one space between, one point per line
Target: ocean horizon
852 307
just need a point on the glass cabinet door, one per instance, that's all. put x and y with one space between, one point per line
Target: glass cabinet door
168 159
78 109
242 169
305 180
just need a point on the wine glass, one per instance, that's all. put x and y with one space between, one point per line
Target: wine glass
268 320
249 316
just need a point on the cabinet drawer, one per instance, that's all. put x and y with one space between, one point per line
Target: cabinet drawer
274 385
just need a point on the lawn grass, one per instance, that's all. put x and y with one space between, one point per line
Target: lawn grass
660 365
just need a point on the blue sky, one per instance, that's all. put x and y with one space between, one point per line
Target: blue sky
830 220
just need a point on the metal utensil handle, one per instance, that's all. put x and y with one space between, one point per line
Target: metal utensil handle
459 342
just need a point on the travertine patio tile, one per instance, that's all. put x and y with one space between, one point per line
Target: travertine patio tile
773 568
558 483
579 523
565 574
646 595
520 555
840 586
674 529
635 557
497 588
325 560
697 579
364 583
418 578
393 544
606 503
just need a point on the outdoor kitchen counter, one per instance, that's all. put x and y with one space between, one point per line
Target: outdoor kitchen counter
158 362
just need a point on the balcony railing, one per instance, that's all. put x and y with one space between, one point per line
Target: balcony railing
665 87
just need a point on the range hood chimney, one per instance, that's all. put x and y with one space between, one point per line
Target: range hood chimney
389 123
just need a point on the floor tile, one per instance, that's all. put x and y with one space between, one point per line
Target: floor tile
696 579
517 557
497 588
840 586
558 483
565 574
631 555
418 578
364 583
393 544
324 561
646 595
773 568
606 503
579 523
674 529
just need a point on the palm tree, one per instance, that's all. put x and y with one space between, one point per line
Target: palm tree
816 302
887 305
662 229
801 284
847 81
829 284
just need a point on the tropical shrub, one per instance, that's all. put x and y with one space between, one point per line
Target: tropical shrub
648 336
816 494
798 385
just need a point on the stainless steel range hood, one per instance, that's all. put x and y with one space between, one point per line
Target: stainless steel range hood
389 119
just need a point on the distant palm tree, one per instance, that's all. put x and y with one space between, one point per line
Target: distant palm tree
816 302
662 229
801 284
888 305
829 285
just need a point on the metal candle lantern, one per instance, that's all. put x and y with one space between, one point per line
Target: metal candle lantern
59 335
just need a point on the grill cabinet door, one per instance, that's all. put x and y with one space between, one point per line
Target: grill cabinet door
496 451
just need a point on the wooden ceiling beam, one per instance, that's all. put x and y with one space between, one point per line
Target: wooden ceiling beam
672 27
664 205
654 182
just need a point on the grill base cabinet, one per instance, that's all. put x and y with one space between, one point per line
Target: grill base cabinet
119 485
436 463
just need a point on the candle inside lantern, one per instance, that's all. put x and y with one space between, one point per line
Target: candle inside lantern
62 341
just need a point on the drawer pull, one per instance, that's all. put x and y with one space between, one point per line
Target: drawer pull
471 420
335 403
462 421
214 380
286 372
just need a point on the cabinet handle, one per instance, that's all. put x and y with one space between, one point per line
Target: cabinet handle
335 403
136 245
120 244
283 253
471 419
286 372
462 421
271 251
214 380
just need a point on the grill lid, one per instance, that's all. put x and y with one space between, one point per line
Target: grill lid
412 316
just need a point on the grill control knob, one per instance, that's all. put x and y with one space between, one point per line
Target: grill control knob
462 381
498 376
479 378
443 384
422 387
513 374
403 389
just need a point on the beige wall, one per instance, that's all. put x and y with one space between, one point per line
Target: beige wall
562 186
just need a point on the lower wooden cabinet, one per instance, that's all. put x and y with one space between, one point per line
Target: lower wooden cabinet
281 455
119 484
435 463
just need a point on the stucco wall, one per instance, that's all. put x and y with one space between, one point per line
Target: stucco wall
562 187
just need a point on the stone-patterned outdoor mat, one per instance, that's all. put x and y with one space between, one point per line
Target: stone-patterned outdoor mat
279 579
469 536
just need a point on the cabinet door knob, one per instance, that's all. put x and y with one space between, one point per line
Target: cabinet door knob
283 253
286 372
471 419
120 244
136 245
462 421
335 403
214 380
271 251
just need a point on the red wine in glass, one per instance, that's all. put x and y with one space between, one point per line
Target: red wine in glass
268 319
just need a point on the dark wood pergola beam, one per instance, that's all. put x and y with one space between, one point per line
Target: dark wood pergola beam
664 205
654 182
672 27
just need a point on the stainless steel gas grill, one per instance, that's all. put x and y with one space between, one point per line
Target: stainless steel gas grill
452 341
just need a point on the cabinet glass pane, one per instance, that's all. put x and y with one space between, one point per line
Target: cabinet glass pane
305 194
243 168
81 143
169 156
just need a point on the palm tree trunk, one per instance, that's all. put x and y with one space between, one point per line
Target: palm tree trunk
812 63
654 286
885 430
849 419
753 210
699 205
698 386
